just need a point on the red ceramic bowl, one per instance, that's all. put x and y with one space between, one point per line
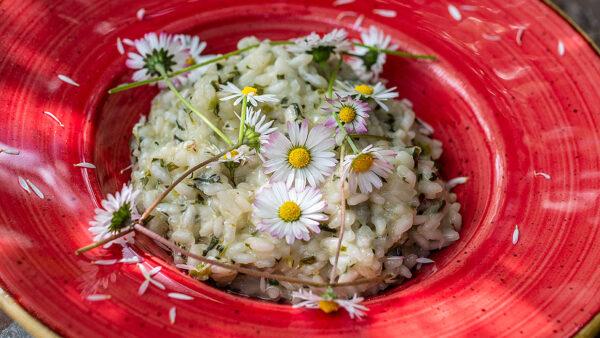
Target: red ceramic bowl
503 111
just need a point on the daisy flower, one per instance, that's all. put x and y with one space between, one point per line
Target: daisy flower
193 48
289 212
249 92
366 168
305 156
234 158
117 212
370 62
257 128
378 92
321 48
148 279
329 302
352 113
153 51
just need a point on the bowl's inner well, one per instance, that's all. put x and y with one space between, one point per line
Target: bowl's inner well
455 112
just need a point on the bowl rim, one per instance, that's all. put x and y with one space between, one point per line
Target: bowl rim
37 328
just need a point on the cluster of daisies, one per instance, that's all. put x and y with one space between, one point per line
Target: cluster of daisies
298 161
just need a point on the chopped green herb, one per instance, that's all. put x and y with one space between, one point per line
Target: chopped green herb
179 125
343 248
213 242
272 282
178 138
308 260
280 76
171 166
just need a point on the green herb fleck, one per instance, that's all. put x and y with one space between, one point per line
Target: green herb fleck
308 260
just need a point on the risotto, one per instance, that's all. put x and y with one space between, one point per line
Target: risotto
387 231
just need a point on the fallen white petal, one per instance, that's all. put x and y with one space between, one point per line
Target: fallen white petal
546 176
181 296
491 37
130 260
128 42
54 118
140 14
516 235
24 185
520 36
454 12
35 190
9 151
456 181
428 128
126 168
172 314
342 2
97 298
68 80
143 287
561 48
423 260
388 13
85 165
155 270
358 21
120 46
468 8
342 15
105 262
158 284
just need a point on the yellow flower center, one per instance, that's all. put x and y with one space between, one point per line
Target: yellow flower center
248 90
364 89
190 61
299 157
230 155
289 211
328 306
347 114
362 163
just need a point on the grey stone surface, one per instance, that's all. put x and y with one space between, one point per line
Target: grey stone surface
585 12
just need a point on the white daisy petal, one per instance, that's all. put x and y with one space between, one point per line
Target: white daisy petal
299 158
101 225
295 210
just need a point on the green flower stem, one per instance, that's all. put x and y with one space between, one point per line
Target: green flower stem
185 70
383 138
243 119
343 130
189 105
342 215
333 76
94 245
146 213
394 52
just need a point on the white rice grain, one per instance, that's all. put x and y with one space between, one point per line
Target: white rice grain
179 296
424 260
456 181
387 13
454 12
54 118
68 80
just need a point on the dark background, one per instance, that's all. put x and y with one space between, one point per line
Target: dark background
585 12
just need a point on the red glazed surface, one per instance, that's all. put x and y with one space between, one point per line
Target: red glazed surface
502 111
